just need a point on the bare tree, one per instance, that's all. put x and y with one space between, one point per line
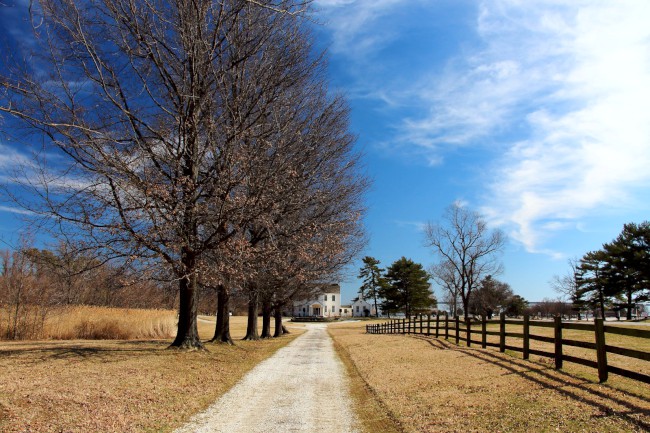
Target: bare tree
467 250
445 276
566 285
163 130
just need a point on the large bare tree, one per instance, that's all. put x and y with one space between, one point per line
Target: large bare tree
155 132
467 250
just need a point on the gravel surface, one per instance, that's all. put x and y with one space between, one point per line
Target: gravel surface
302 388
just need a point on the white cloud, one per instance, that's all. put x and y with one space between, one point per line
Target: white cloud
418 226
562 90
351 23
15 210
589 144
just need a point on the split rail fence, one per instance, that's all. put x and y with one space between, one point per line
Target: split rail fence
460 330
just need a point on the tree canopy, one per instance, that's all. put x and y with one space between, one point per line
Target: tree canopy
407 288
618 275
198 136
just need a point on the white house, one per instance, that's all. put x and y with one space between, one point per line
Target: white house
326 302
346 311
363 308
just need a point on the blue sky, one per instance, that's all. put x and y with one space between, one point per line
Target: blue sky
535 113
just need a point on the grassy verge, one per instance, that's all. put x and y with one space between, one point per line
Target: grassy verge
373 415
125 386
430 385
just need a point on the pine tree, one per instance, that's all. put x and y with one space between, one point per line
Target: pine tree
407 287
373 280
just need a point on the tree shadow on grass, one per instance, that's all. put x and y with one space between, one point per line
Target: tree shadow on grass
631 409
104 350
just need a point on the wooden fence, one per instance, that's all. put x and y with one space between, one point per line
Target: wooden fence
444 326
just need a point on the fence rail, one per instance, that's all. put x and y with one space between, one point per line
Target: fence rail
444 326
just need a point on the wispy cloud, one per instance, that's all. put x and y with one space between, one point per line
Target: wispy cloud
15 210
418 226
560 91
588 144
352 24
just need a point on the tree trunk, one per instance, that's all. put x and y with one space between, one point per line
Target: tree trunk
465 300
251 327
628 316
601 301
187 336
266 319
222 327
376 309
277 316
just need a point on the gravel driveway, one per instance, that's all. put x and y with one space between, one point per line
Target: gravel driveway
302 388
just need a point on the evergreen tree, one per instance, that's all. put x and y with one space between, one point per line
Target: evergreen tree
373 280
490 296
407 288
628 265
591 277
516 306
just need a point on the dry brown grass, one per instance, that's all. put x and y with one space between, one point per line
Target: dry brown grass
430 385
119 386
103 323
372 414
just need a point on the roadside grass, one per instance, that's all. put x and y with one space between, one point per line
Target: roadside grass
93 323
373 415
432 385
120 386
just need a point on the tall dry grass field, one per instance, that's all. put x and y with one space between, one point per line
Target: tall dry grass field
430 385
103 323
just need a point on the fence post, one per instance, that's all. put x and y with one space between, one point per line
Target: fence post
404 326
421 323
502 332
437 324
558 342
428 324
601 351
526 336
469 332
457 330
483 331
446 326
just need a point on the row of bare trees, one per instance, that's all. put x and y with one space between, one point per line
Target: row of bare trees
194 139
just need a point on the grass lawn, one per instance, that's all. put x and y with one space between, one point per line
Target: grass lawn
430 385
119 386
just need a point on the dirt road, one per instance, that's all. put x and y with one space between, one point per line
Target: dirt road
302 388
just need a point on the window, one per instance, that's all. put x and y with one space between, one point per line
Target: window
357 308
325 297
333 297
326 308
